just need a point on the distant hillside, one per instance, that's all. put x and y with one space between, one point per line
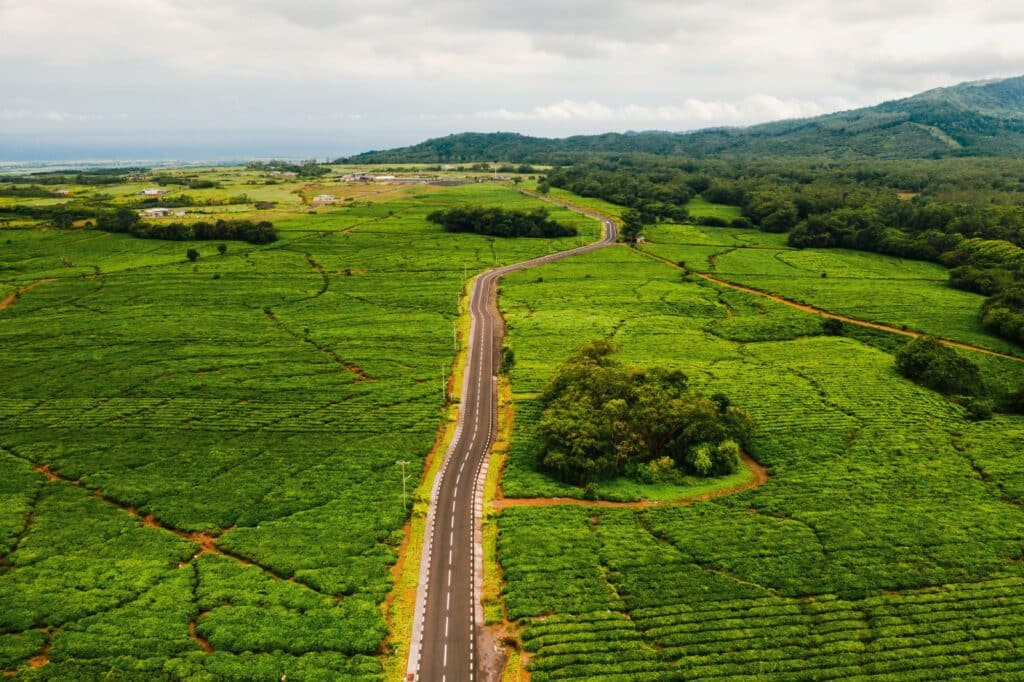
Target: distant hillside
983 118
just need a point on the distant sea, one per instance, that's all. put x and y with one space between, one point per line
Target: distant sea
21 152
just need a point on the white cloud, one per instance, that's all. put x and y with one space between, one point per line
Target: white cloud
755 108
548 68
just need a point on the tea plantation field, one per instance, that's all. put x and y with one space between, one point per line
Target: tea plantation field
888 542
884 289
197 461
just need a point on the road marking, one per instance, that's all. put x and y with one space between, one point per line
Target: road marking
445 661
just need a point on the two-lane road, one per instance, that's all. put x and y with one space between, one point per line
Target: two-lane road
449 613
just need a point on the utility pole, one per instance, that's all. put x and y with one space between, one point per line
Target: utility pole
405 498
444 385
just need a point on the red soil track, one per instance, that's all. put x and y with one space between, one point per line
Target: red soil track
760 478
824 313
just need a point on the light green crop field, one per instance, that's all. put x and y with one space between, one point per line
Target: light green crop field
887 541
222 437
699 207
873 287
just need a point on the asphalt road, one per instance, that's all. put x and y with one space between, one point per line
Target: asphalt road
449 616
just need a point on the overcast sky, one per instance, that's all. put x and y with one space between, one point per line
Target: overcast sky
345 75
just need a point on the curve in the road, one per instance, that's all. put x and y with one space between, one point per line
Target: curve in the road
448 618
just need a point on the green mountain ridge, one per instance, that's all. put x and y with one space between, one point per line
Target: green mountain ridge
978 118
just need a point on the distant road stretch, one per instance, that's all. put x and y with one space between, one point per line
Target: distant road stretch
449 615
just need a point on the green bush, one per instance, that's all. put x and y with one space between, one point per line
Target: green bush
930 363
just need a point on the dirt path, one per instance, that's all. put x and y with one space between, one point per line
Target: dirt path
824 313
760 478
9 301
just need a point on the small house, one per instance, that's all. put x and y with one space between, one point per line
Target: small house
156 213
61 192
384 178
324 199
153 192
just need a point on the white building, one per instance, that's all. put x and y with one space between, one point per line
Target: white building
61 192
384 178
153 192
156 213
324 199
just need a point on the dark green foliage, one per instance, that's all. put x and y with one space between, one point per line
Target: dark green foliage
938 367
306 169
1003 314
631 226
25 191
979 409
600 418
656 193
127 220
192 255
499 222
1017 400
508 359
832 327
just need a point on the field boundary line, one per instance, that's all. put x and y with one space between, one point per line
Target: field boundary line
14 296
825 313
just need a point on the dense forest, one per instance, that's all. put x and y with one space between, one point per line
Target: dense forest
498 222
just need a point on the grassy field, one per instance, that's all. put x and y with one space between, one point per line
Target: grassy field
888 540
917 295
197 461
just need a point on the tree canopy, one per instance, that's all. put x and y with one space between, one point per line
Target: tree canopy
499 222
937 366
602 419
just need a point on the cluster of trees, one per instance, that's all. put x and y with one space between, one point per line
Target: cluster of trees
96 176
125 220
930 363
602 419
307 169
32 191
499 222
655 193
183 200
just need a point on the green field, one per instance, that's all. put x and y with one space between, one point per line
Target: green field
886 542
224 436
916 293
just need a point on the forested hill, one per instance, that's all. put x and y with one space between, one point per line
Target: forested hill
983 118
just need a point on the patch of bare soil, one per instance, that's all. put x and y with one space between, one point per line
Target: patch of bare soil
200 641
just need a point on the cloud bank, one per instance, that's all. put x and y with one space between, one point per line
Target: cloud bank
402 69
